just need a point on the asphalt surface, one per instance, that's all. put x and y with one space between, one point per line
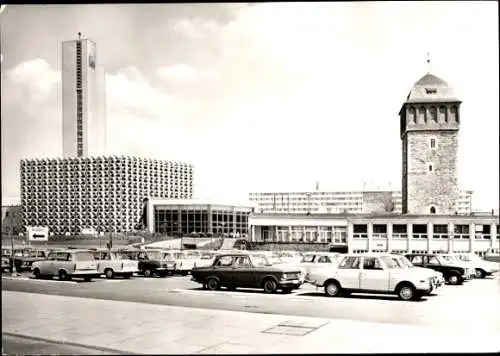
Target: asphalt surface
21 345
472 305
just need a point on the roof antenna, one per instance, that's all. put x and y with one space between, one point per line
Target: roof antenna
79 36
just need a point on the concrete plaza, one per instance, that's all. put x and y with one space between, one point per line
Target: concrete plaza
130 327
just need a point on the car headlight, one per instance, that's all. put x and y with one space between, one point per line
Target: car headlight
285 276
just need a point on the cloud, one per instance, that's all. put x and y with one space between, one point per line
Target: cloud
194 29
185 73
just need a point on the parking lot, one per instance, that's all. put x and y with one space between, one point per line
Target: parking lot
471 305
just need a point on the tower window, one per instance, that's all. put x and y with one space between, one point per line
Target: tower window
432 210
421 115
430 167
433 143
430 90
433 113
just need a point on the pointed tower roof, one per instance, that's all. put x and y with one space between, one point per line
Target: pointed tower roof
430 88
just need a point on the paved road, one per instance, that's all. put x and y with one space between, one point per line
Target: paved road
16 345
473 305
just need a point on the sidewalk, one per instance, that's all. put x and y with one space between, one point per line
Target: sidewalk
148 329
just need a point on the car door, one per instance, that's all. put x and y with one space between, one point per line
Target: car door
46 266
374 277
243 271
223 269
348 272
432 262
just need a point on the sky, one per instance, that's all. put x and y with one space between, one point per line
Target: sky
260 97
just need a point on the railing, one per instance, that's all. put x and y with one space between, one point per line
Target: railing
360 236
419 236
440 236
461 236
480 236
379 235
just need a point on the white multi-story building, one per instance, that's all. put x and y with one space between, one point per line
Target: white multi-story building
69 195
83 100
354 202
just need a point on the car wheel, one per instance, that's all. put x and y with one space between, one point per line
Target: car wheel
480 273
407 292
87 279
333 289
270 286
148 273
36 273
454 279
109 273
63 276
213 284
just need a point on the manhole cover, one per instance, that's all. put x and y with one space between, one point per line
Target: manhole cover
294 328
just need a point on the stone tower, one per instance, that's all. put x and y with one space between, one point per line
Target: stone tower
430 120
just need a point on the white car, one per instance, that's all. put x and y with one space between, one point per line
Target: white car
207 258
113 264
438 277
290 256
184 263
275 259
482 267
373 273
67 264
313 260
470 270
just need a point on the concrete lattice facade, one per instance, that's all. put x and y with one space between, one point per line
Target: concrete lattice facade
101 193
430 120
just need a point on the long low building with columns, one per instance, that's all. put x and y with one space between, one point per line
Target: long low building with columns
380 233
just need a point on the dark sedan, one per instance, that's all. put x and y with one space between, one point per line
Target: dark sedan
233 270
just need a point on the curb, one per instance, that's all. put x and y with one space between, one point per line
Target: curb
75 344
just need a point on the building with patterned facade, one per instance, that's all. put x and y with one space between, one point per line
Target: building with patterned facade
336 202
105 194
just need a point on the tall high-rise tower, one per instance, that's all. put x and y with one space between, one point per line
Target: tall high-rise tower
430 121
83 100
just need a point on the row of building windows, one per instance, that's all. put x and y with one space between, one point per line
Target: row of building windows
422 115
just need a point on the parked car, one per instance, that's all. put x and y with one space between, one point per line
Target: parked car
67 264
483 268
115 264
5 264
247 270
155 262
275 259
290 256
437 276
23 259
206 259
492 254
184 261
372 273
453 272
318 260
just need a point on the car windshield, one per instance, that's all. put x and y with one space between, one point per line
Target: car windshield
390 262
121 256
83 256
405 262
192 255
179 255
259 260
